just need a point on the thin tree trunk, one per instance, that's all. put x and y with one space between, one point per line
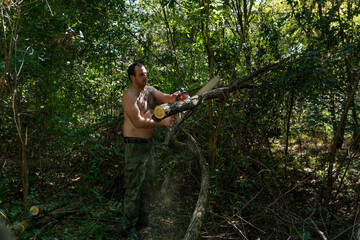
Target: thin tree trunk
210 51
338 135
3 79
10 78
23 143
25 174
288 124
171 38
288 131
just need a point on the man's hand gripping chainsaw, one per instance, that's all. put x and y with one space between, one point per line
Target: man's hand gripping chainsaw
182 95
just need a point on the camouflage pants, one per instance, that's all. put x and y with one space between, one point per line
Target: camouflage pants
138 183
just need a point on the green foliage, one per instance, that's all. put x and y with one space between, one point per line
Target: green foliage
9 194
75 55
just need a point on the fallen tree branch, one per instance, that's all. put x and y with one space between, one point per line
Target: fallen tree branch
49 217
168 109
322 235
199 211
41 209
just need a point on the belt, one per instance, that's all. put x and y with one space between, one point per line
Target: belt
137 140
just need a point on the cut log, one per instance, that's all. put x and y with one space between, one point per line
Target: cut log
168 109
36 220
42 209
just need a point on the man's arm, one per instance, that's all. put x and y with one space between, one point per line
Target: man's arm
132 111
163 97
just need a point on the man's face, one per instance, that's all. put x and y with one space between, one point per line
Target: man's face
140 78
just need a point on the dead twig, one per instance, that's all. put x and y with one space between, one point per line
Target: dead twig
322 235
234 225
290 190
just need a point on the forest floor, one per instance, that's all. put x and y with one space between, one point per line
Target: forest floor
279 203
99 213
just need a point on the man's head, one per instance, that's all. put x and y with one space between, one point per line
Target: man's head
131 69
138 75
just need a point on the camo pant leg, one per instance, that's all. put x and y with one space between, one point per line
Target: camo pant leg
147 191
137 155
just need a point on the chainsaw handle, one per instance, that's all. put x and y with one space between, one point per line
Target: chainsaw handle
182 95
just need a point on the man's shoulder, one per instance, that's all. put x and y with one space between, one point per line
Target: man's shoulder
149 88
128 94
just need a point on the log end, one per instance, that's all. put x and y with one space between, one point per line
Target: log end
19 228
34 210
117 113
159 112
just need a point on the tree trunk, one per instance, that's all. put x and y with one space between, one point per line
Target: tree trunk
210 51
288 132
288 124
171 37
24 174
23 143
338 135
10 78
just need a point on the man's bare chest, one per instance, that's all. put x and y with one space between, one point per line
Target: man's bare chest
146 102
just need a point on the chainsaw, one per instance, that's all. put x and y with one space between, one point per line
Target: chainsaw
183 94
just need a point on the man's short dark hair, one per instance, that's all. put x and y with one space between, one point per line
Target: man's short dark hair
131 69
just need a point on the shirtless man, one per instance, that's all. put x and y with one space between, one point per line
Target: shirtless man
138 104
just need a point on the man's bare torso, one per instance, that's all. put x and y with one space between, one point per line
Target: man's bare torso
146 103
